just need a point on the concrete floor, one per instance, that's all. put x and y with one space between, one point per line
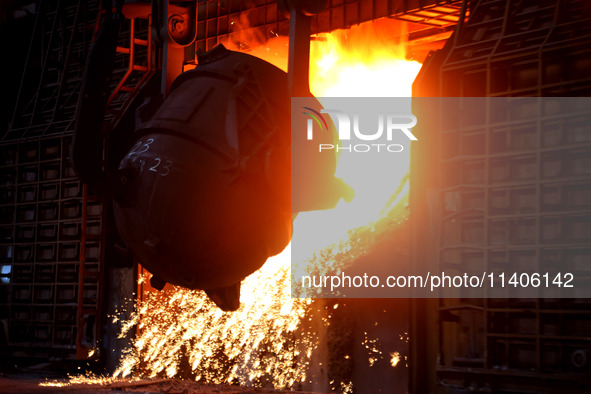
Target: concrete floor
170 386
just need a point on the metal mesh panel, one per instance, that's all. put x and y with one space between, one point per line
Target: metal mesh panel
514 195
232 19
41 199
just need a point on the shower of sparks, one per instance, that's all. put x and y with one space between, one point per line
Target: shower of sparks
373 348
86 380
53 384
347 388
394 358
265 343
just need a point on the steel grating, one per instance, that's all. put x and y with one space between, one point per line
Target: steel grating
51 242
514 196
234 19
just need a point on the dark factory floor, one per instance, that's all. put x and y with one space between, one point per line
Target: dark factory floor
170 386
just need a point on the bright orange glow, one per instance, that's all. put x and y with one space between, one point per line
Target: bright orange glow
394 359
368 60
268 341
365 61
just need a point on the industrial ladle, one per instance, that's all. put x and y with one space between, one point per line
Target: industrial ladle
198 172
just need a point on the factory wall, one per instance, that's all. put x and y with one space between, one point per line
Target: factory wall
511 196
52 228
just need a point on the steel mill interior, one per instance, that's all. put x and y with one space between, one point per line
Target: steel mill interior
80 312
